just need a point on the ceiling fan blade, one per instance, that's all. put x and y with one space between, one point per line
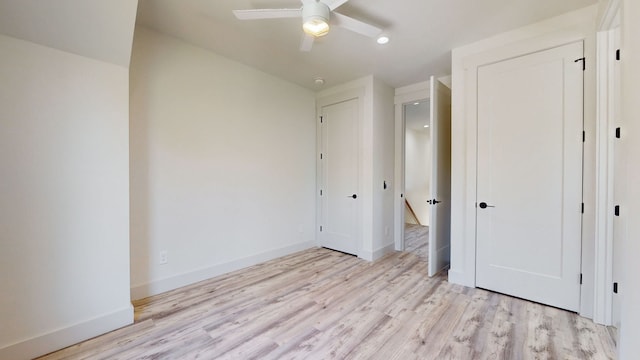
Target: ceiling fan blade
307 43
355 25
255 14
334 4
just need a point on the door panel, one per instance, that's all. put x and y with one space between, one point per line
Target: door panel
340 177
440 217
529 174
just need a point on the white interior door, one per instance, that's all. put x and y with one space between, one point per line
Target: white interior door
339 190
440 217
529 176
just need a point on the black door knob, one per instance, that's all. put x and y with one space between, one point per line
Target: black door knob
484 205
436 201
354 196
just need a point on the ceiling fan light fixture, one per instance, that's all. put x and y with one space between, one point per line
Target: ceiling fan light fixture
315 19
316 27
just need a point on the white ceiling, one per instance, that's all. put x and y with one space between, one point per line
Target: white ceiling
423 32
100 30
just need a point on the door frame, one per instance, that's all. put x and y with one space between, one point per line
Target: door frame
603 298
403 95
568 28
359 95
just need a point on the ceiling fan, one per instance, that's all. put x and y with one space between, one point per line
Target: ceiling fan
317 16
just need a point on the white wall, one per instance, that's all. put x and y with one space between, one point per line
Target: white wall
418 172
64 206
573 26
222 165
383 167
630 283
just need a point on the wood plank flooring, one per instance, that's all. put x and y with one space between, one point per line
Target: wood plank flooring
321 304
416 240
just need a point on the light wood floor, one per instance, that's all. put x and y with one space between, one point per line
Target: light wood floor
416 240
321 304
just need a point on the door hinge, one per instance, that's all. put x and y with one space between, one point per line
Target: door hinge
582 208
320 228
320 156
321 119
580 278
320 192
615 287
616 210
618 54
584 63
617 133
584 136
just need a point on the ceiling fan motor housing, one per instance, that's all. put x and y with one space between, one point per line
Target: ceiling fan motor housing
315 18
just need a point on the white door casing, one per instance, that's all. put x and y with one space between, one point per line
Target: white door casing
339 176
618 173
440 216
606 303
529 166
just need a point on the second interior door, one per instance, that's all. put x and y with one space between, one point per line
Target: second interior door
340 198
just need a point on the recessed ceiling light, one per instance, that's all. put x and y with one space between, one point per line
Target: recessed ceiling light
416 103
426 126
318 81
383 39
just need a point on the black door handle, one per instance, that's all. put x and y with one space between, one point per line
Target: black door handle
436 201
353 196
484 205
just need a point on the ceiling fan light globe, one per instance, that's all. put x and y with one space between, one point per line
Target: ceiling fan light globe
316 26
315 18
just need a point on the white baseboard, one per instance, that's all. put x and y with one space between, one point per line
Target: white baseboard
184 279
383 251
456 277
61 338
373 256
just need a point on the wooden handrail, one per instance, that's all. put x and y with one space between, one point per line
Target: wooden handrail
411 211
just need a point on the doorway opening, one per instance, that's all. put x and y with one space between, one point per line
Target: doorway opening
417 175
424 190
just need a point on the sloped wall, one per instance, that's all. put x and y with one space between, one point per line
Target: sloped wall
64 205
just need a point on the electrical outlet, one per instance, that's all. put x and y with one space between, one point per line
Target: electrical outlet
164 258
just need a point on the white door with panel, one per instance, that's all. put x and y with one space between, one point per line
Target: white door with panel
440 202
339 167
529 176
